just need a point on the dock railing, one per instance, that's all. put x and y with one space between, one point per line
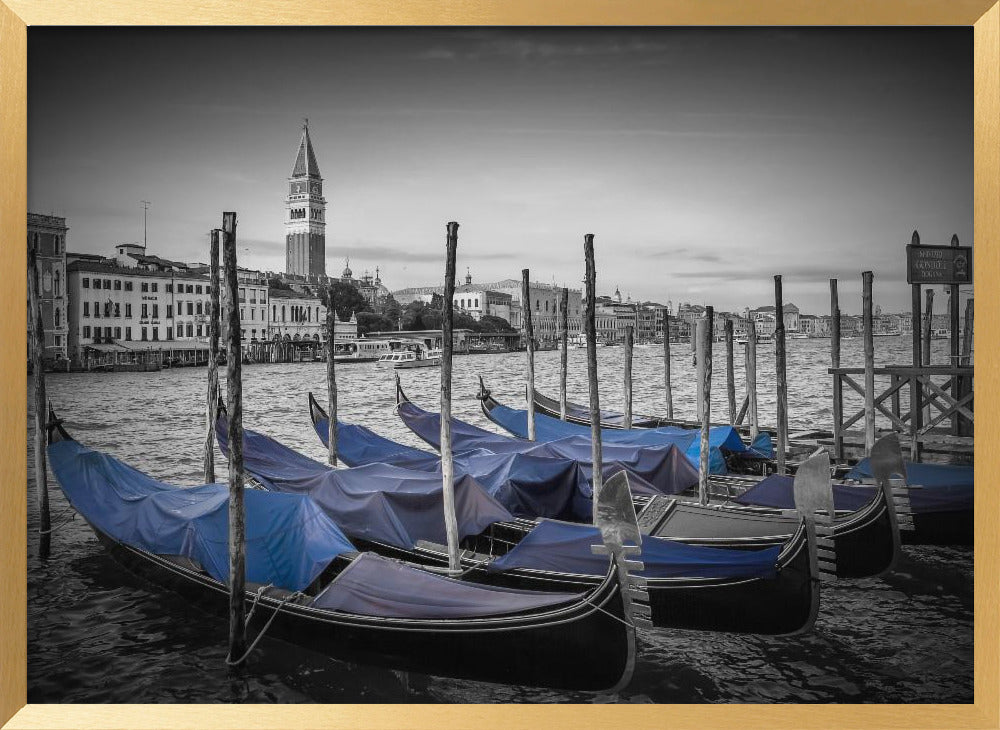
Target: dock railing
929 406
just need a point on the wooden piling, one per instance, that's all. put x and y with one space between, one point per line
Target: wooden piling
41 404
529 336
234 406
838 385
779 366
694 344
590 333
730 370
869 343
698 345
214 320
964 425
928 326
705 368
629 343
564 350
447 351
751 374
916 394
668 393
331 374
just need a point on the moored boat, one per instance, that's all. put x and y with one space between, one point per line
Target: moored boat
312 587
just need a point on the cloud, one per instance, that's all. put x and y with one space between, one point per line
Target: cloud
437 54
412 254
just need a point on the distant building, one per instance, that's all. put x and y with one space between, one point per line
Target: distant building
134 297
305 215
300 317
47 234
791 316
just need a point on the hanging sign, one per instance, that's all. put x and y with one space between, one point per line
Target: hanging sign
938 264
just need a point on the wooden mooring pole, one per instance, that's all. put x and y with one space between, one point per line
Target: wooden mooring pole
563 349
730 371
529 338
668 393
447 352
965 426
41 404
705 330
234 406
214 326
957 383
916 412
590 333
779 366
331 373
751 374
869 343
838 385
928 326
629 343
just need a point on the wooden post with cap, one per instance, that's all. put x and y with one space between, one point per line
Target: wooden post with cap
234 407
447 352
563 349
529 337
668 393
869 345
590 333
214 326
331 373
705 327
779 366
730 370
838 384
629 343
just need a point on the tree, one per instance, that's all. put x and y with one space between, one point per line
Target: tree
371 322
276 283
489 323
348 299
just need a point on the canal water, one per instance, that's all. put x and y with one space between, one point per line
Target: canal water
98 634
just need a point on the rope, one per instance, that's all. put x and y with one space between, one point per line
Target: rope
61 524
277 609
608 613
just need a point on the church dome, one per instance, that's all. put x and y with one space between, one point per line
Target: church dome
348 274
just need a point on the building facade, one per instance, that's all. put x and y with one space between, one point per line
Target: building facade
305 215
47 235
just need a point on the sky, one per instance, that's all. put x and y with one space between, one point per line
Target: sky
704 161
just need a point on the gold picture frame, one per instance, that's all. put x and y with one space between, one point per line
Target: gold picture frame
16 15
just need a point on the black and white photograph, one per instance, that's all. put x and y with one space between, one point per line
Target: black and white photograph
500 365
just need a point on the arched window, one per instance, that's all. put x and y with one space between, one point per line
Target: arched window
282 312
56 318
55 283
274 312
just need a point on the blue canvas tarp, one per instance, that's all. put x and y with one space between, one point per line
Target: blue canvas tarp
776 491
379 502
654 464
373 585
563 547
289 540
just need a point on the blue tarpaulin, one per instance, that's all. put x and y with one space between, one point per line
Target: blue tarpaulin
373 585
565 548
289 540
943 496
574 443
380 502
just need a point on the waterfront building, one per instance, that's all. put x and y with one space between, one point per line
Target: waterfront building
300 317
133 297
47 234
479 302
305 215
790 318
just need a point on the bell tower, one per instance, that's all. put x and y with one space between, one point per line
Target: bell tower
305 214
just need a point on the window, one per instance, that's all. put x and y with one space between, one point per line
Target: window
128 333
156 311
170 333
118 310
128 286
153 287
243 295
55 318
107 309
180 307
198 308
169 288
128 310
85 283
252 313
107 283
86 332
538 304
144 335
190 330
190 289
199 330
476 305
55 283
58 340
97 309
118 284
86 310
190 308
170 315
156 333
242 315
197 289
145 313
107 333
274 312
118 333
144 287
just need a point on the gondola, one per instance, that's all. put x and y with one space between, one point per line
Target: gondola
325 595
727 447
770 591
867 538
